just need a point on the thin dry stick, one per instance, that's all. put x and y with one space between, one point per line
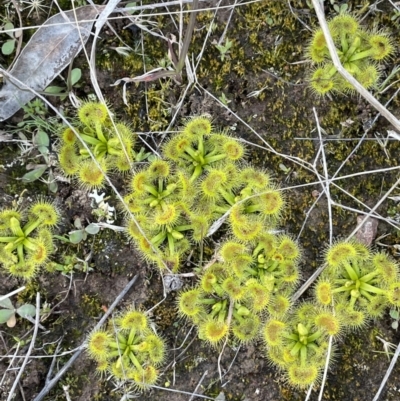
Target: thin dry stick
372 211
53 362
351 209
209 32
10 294
48 386
298 18
136 8
328 358
182 392
345 74
326 185
297 160
20 37
222 38
198 384
326 181
11 362
388 372
42 356
231 364
228 322
31 345
313 277
175 358
363 138
308 395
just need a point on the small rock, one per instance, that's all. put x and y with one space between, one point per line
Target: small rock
367 232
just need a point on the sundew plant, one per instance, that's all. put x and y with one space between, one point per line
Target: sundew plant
256 198
361 52
202 177
26 240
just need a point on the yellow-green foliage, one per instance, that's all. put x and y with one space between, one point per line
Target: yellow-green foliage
175 201
356 285
359 50
26 238
128 349
360 283
233 296
111 143
298 342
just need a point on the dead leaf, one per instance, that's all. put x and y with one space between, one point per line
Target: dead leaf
50 50
12 321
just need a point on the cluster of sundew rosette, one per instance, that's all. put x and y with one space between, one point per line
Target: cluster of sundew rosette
360 52
356 286
128 349
246 294
201 177
111 144
26 240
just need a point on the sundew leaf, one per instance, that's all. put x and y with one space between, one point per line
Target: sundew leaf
50 50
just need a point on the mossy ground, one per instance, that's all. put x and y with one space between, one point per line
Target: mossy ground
268 41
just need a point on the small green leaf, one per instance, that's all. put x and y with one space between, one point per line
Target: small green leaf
92 229
75 237
61 238
220 397
76 75
131 4
42 139
5 314
26 310
394 314
53 187
224 99
34 175
8 47
6 303
43 150
55 90
9 26
78 223
284 168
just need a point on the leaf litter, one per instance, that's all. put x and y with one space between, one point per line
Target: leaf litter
50 50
